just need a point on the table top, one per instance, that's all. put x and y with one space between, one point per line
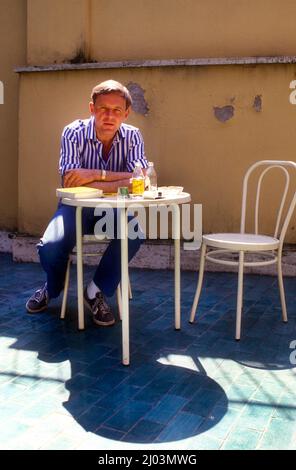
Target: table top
113 201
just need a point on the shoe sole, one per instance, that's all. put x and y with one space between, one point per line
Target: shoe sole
97 322
29 310
110 323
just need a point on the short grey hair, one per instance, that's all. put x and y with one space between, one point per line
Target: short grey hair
111 86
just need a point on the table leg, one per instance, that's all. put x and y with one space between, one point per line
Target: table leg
124 286
79 268
176 235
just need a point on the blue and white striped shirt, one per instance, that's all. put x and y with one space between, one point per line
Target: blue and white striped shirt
80 148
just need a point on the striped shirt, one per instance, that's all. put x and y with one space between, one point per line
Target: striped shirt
80 148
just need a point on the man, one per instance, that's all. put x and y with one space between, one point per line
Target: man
98 152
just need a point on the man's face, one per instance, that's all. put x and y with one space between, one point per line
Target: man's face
109 112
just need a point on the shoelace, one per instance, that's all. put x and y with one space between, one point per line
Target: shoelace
101 304
39 294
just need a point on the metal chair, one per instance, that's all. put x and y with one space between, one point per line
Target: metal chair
86 240
221 244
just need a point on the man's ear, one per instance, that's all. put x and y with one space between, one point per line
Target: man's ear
127 111
91 107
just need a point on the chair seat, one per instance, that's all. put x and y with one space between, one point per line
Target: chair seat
241 241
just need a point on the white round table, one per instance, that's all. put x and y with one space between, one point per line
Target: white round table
123 205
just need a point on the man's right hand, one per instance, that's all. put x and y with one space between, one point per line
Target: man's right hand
84 177
80 177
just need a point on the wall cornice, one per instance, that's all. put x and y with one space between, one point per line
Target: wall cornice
207 61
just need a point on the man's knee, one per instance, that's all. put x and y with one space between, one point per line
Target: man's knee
60 231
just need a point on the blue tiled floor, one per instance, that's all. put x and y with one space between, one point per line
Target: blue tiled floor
193 389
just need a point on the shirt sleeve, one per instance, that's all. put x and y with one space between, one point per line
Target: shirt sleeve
69 153
136 152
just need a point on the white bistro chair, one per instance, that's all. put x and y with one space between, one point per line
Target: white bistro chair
216 246
87 240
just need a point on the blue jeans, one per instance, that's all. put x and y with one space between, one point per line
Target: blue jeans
59 240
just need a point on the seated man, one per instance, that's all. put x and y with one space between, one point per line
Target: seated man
99 152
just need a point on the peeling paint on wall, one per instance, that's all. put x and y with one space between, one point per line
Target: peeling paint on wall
224 113
139 103
257 105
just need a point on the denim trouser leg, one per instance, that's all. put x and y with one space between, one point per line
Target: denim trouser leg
57 243
59 240
108 273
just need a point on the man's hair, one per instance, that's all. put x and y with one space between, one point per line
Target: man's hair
111 86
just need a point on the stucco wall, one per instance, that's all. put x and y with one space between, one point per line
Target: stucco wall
57 30
61 30
12 53
204 126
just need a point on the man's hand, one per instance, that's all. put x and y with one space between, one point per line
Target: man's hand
111 186
80 177
85 177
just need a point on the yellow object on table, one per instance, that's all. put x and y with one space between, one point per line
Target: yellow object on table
79 192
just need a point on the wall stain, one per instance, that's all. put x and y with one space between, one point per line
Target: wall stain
79 58
139 103
257 105
224 113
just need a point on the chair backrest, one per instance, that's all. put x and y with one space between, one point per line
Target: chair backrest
288 199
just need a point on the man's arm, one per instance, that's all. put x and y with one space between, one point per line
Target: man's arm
136 152
86 177
111 186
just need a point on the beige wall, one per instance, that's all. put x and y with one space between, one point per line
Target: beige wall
59 30
184 138
12 53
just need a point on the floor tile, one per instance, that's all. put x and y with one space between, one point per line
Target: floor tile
193 389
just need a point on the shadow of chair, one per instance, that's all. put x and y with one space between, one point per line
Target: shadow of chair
88 240
217 247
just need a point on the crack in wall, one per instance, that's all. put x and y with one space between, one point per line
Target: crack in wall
257 104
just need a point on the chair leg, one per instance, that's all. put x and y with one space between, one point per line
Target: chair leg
239 296
130 294
199 284
119 301
281 286
65 293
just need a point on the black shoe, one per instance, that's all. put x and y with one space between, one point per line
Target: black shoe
38 301
102 313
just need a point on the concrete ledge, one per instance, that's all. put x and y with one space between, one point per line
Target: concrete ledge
157 254
194 62
152 254
6 241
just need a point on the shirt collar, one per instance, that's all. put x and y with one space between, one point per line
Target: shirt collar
121 131
91 130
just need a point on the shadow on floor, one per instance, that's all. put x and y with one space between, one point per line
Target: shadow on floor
173 388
